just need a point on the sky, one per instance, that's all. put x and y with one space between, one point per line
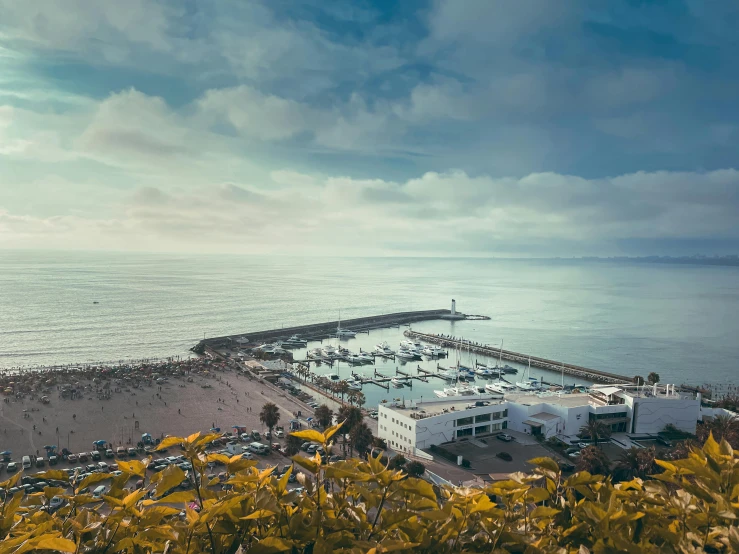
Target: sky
423 128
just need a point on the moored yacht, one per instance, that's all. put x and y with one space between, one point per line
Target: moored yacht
405 355
397 383
365 358
500 387
384 349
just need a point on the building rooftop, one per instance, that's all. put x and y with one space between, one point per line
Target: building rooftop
531 399
436 407
544 416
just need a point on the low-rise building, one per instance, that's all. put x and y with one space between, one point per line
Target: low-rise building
624 408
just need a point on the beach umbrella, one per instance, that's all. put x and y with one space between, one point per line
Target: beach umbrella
49 447
6 453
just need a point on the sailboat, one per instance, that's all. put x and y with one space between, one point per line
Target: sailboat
528 383
344 333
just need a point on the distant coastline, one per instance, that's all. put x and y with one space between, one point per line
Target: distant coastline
732 260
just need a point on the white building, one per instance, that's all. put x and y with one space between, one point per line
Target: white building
625 408
420 426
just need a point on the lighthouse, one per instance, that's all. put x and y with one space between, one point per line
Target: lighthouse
454 307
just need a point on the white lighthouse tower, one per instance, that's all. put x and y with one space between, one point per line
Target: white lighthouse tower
454 307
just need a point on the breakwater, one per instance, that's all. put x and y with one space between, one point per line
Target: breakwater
320 331
594 375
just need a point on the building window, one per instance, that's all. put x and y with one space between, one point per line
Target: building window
464 421
482 429
497 426
505 425
505 412
464 432
497 415
482 417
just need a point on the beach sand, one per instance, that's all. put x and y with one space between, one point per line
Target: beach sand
178 409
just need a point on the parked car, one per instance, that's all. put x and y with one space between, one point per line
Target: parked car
72 458
53 460
279 434
12 467
504 437
95 456
267 435
132 451
40 462
82 456
109 453
582 445
255 435
120 451
56 503
103 466
576 454
99 491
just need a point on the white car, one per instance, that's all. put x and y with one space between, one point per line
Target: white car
279 434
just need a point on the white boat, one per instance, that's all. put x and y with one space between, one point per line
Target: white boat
433 351
330 352
384 349
353 358
483 371
354 385
528 383
345 334
449 374
315 354
404 354
449 392
500 387
294 342
333 376
365 358
397 383
411 345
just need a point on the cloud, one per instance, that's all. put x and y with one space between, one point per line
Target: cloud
444 213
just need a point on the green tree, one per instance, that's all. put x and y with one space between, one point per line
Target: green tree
342 387
292 446
359 398
595 430
594 461
397 462
324 415
351 416
415 469
270 415
360 438
635 462
638 380
723 427
653 378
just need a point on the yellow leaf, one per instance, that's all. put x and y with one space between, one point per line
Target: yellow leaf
134 467
10 483
307 463
170 441
134 497
282 483
270 545
171 477
92 479
259 514
546 463
543 511
328 433
174 498
56 543
192 438
310 435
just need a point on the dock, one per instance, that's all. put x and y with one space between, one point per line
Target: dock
325 330
595 375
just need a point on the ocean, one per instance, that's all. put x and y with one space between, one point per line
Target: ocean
681 321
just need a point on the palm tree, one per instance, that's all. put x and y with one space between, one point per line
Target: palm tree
723 427
342 387
359 398
638 380
352 396
653 378
635 462
351 416
360 438
594 461
595 430
270 415
324 415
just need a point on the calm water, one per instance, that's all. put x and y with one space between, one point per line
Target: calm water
681 321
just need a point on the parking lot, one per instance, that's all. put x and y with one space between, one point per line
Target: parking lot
484 459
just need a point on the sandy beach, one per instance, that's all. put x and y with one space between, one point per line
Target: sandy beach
196 396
